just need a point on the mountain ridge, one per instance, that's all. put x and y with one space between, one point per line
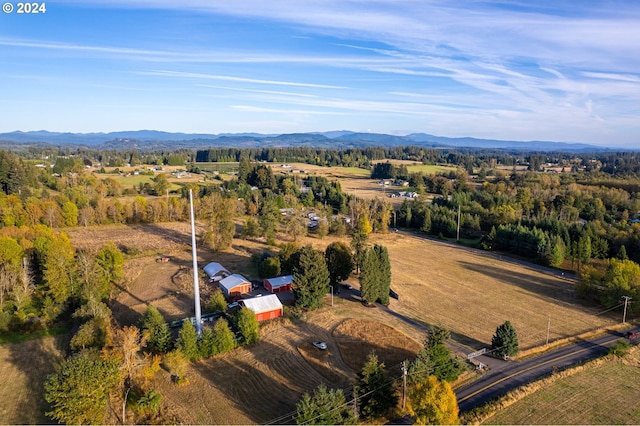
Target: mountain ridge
337 139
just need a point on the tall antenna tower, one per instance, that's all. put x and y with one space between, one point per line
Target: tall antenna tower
196 286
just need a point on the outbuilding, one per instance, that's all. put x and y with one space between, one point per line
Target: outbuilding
234 285
265 307
279 284
216 271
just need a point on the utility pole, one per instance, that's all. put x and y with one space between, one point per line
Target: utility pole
624 315
458 230
355 402
404 383
548 327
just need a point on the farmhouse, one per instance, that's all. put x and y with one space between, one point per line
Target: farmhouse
265 307
279 284
216 271
234 285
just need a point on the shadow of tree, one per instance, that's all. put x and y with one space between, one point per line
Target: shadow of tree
36 360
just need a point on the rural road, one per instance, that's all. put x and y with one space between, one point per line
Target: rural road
505 376
517 373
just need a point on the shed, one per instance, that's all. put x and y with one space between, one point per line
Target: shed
278 284
234 285
265 307
216 271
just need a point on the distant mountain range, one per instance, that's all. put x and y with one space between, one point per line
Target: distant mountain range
146 140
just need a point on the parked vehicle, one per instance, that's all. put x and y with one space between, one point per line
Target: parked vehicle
320 345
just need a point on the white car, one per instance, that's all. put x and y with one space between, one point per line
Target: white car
320 345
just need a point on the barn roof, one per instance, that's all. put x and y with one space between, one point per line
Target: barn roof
263 303
280 281
232 281
214 268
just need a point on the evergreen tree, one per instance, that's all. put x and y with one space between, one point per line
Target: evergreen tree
324 407
156 330
339 261
79 391
420 368
359 241
384 273
584 251
247 324
376 389
555 251
206 345
311 278
375 276
216 302
622 253
369 277
505 342
187 341
432 402
223 337
445 366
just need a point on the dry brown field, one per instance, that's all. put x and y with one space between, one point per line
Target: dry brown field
24 368
352 181
602 393
472 292
469 292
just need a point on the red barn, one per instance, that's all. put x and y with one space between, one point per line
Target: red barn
234 285
265 307
278 284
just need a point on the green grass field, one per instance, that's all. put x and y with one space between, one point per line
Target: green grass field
218 167
430 168
350 172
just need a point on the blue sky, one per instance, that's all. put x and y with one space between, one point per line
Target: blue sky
517 70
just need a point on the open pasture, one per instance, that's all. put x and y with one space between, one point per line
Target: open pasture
24 368
469 292
472 292
603 393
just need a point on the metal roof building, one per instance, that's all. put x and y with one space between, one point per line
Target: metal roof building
265 307
234 284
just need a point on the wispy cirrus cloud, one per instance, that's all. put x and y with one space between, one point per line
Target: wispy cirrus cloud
484 67
180 74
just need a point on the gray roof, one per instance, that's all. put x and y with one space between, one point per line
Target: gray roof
232 281
214 268
263 303
280 281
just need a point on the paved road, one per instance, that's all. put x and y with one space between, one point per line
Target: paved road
517 373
